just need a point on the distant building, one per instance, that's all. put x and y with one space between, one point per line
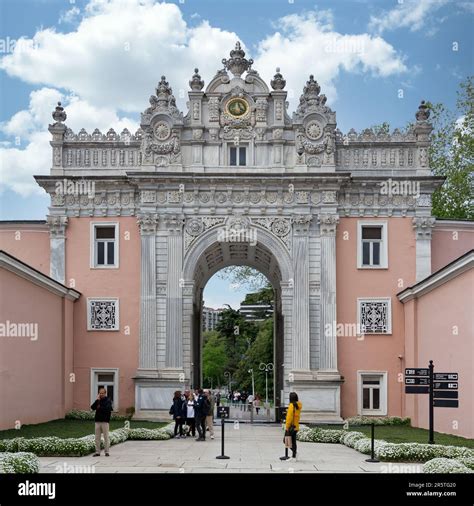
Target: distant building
256 312
210 318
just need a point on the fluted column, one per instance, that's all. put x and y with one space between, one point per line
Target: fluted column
423 226
328 348
57 234
147 349
174 310
301 336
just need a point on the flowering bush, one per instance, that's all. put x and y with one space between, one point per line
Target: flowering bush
378 420
157 434
443 465
20 462
350 438
320 435
467 461
420 452
83 414
364 445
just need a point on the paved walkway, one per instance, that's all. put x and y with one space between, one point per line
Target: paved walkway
251 448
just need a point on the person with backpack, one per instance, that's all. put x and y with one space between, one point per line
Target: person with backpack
201 408
210 403
292 424
177 410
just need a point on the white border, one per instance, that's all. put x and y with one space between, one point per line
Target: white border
383 393
117 309
389 313
94 371
93 225
384 245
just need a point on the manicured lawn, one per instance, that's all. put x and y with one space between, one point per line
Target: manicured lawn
406 434
64 428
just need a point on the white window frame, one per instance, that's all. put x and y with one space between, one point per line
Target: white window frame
383 245
117 313
95 371
94 225
238 155
383 393
389 314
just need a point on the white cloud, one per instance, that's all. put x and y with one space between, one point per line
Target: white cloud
70 16
112 60
307 44
412 14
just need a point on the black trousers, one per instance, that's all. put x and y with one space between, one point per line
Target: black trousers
201 426
178 423
192 425
293 442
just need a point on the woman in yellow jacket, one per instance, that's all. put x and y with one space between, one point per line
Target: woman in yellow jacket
292 425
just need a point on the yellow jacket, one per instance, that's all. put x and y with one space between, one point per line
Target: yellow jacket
293 417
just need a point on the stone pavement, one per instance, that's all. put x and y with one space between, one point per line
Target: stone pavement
251 448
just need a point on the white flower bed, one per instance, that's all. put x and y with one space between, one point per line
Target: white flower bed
83 414
20 462
443 465
378 420
156 434
459 456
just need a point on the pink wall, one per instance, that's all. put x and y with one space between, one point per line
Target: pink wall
105 349
27 242
374 352
33 387
430 336
450 242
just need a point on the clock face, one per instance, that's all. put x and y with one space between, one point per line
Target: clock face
237 107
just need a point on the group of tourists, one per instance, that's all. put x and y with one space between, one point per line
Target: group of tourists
193 410
245 400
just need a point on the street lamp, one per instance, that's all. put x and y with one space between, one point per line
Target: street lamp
267 368
227 374
253 382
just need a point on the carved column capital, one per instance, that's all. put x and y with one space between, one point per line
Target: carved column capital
148 223
174 223
328 224
423 226
301 223
57 226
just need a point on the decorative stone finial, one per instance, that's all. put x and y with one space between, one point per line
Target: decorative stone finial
237 63
163 88
312 87
196 83
423 112
278 83
59 114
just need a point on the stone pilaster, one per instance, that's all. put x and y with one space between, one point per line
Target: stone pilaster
174 313
423 226
148 223
328 349
57 234
301 335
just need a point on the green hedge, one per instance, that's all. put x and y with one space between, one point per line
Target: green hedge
77 447
21 462
399 452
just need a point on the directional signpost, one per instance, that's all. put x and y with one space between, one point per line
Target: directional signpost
223 412
442 388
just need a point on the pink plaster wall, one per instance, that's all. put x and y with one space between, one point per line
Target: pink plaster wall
27 242
105 349
33 387
374 352
449 242
429 336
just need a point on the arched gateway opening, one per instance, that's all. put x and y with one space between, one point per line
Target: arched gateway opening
237 244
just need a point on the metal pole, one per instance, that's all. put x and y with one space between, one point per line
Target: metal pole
431 401
222 456
372 445
266 387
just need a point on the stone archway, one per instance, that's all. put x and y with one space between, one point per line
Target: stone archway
209 255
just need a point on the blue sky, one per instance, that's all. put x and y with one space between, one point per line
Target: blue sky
104 57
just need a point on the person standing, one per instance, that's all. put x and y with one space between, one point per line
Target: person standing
200 414
218 399
210 414
103 409
177 411
292 423
256 403
190 420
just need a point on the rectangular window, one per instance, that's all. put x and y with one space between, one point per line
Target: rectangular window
108 379
238 156
372 393
372 246
104 250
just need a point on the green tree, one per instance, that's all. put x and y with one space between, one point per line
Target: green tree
452 155
214 357
244 276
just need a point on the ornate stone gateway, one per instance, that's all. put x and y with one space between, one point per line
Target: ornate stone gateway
238 182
